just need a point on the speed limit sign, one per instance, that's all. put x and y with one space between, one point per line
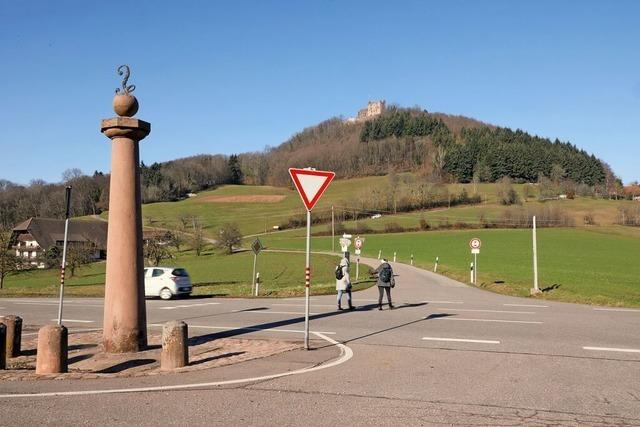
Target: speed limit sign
475 243
358 243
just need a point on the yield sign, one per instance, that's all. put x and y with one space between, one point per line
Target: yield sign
310 184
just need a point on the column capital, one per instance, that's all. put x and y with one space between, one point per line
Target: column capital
127 127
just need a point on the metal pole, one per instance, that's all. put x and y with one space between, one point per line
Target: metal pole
307 282
535 258
333 232
64 252
253 276
475 269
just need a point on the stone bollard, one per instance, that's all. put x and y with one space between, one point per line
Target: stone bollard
52 350
14 334
3 346
175 349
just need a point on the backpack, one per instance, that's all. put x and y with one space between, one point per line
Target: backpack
385 274
339 272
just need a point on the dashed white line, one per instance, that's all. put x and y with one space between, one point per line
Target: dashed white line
302 305
174 307
240 328
74 321
623 350
487 311
442 302
55 304
623 310
461 340
485 320
526 305
271 312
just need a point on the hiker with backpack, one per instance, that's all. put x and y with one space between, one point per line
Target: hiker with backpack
343 282
385 282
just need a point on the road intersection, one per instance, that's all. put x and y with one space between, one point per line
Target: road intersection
449 353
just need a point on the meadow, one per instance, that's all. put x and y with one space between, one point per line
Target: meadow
213 274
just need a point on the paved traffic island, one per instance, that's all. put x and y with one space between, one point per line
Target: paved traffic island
87 359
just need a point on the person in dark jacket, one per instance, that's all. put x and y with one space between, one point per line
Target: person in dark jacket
385 282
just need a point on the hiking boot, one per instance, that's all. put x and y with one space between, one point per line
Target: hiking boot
391 307
339 307
379 306
351 307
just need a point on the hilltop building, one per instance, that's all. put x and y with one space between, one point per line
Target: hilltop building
373 109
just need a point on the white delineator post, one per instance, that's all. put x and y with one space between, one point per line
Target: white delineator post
471 278
64 253
435 267
535 289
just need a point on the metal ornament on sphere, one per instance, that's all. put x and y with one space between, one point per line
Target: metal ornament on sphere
124 70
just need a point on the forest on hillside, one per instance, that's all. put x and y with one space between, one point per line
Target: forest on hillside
440 148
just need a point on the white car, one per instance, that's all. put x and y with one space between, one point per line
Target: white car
166 282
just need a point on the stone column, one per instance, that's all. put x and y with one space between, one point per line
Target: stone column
125 324
175 345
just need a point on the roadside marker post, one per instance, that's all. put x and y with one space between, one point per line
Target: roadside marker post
471 270
475 245
435 267
257 283
64 252
394 257
379 253
536 289
411 259
311 184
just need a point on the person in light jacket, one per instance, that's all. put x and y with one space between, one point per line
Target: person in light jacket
344 284
385 282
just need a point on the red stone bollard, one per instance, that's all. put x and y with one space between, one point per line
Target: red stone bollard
3 346
14 334
175 349
52 350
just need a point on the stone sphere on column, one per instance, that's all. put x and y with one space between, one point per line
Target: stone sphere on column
125 105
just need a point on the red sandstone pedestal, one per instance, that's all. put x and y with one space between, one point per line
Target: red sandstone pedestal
125 328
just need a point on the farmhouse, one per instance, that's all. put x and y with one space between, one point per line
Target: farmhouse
33 237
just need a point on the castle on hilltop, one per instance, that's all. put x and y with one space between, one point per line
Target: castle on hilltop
373 109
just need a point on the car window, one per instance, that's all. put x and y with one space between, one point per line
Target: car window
180 272
157 272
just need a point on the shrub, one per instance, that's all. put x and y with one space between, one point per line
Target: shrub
424 225
393 227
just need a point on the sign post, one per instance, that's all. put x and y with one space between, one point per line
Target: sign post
64 252
311 184
358 243
475 244
256 247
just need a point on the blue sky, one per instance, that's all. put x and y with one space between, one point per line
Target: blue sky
235 76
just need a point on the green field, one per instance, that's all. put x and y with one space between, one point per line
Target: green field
595 266
282 274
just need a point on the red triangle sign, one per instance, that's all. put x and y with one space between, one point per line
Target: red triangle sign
311 184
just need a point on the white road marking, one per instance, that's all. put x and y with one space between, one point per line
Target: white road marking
240 328
302 305
74 321
487 311
525 305
624 350
71 331
66 303
484 320
624 310
345 354
271 312
187 306
460 340
442 302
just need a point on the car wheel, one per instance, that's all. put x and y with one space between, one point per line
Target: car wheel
165 293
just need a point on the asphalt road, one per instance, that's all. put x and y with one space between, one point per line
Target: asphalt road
448 354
